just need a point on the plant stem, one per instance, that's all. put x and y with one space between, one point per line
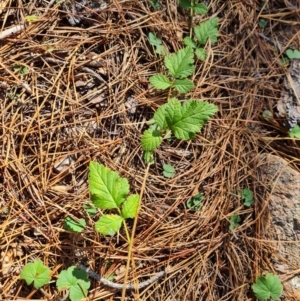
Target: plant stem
130 242
191 18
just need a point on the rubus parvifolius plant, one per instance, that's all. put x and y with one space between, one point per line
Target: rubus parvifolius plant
183 120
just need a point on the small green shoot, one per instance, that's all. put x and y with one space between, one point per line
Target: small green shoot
293 54
247 196
20 69
37 273
155 4
71 224
110 191
76 281
234 222
267 115
90 209
183 120
198 8
267 287
195 203
168 171
157 44
295 132
262 23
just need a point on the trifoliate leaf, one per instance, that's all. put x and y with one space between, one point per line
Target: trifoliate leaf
130 206
37 273
160 82
151 140
293 54
154 40
183 85
109 224
76 281
200 8
247 196
185 3
207 29
107 188
295 132
184 120
72 225
168 171
181 63
267 287
234 222
189 42
201 53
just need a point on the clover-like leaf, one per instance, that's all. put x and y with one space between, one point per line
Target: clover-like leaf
76 281
37 273
295 132
130 206
108 190
109 224
234 222
247 196
267 287
168 171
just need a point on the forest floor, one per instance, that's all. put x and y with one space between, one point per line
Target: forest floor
74 88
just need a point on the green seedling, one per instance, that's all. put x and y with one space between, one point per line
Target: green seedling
71 224
247 196
168 171
36 273
234 222
295 132
262 23
194 6
155 4
267 115
110 191
20 69
268 286
90 209
293 54
74 280
207 30
157 44
195 203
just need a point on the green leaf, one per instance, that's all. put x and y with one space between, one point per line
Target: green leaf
149 158
37 273
31 18
151 140
161 50
200 8
195 202
184 120
160 82
72 225
262 23
107 188
189 42
130 206
267 287
234 221
267 115
207 29
295 132
293 54
90 209
154 3
109 224
185 3
168 171
183 85
76 281
201 53
247 196
181 63
154 40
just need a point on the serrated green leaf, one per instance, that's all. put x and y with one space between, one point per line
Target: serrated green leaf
151 140
154 40
109 224
247 196
234 222
183 85
293 54
207 29
200 8
90 209
108 190
72 225
181 63
189 42
295 132
185 3
76 281
201 53
168 171
160 82
187 119
130 206
267 287
37 273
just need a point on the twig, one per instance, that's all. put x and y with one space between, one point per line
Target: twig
120 286
15 29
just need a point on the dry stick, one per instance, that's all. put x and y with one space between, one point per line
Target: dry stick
121 286
15 29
